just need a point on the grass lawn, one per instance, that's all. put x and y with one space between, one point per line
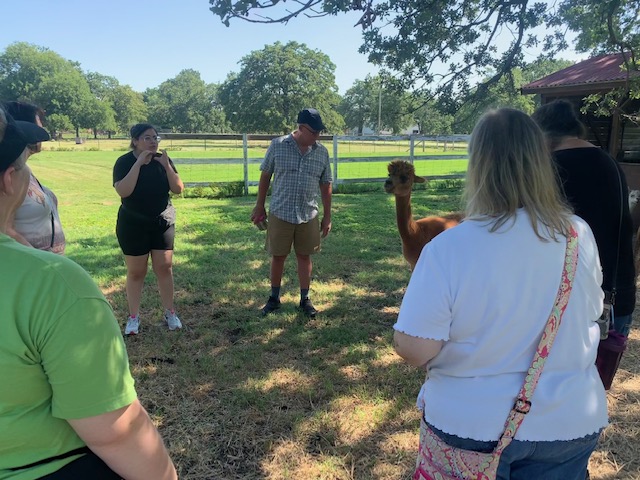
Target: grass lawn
238 396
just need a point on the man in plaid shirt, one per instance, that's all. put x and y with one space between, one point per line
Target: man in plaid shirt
301 169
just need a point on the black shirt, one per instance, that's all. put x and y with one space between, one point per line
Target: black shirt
596 188
150 197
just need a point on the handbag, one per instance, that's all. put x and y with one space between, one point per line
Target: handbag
610 353
439 461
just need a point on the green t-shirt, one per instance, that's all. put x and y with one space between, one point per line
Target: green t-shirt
61 357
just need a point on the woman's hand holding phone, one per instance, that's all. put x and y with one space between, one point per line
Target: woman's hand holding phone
144 157
162 157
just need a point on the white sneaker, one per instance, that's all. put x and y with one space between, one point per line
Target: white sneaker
173 322
133 324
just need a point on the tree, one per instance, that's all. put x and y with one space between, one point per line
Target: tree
36 74
126 106
429 119
605 27
99 116
57 124
356 107
377 102
275 83
186 104
506 93
442 45
129 107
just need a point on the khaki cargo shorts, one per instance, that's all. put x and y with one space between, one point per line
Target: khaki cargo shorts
304 237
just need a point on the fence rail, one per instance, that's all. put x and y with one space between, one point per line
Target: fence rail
246 168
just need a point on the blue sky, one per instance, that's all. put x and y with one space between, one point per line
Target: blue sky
145 42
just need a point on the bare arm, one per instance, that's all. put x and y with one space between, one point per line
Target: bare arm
175 183
17 237
259 211
128 442
416 351
325 193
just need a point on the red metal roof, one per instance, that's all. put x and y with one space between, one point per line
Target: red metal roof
600 69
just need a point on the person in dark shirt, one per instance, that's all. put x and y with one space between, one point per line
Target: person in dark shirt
146 220
596 188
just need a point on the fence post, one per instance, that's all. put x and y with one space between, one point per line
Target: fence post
335 159
245 153
411 148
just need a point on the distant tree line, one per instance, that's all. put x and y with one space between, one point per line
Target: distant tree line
272 85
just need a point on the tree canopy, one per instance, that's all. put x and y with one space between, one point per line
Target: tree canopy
32 73
275 83
378 103
186 103
444 47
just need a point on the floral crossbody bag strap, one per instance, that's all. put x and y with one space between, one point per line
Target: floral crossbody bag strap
437 460
522 404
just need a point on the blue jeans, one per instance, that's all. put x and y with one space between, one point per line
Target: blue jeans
622 324
554 460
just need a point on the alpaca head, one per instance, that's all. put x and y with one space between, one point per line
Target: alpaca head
402 176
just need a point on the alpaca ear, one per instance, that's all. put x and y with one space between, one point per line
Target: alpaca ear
419 180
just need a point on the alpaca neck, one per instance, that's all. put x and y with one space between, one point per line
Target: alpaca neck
404 218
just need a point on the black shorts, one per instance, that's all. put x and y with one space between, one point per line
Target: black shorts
88 466
138 236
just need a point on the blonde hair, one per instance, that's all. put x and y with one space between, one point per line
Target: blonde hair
510 167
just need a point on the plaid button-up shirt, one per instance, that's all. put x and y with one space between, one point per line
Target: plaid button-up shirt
296 178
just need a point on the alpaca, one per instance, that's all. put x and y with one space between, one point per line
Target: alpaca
415 234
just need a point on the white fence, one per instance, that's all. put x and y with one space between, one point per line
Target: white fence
348 167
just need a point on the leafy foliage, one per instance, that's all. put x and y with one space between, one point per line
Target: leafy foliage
127 106
37 74
275 83
379 103
442 47
186 104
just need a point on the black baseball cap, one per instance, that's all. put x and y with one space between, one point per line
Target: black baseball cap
17 135
311 117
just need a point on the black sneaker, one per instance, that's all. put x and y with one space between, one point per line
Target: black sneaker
307 307
272 305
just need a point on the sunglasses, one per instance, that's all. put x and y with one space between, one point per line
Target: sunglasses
148 138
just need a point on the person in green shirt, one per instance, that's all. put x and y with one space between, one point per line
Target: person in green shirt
68 407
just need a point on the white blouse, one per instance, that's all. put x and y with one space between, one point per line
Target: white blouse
37 219
489 295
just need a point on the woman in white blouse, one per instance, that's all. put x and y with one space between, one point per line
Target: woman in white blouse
37 222
479 299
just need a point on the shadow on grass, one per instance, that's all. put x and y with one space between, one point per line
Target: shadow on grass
237 395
